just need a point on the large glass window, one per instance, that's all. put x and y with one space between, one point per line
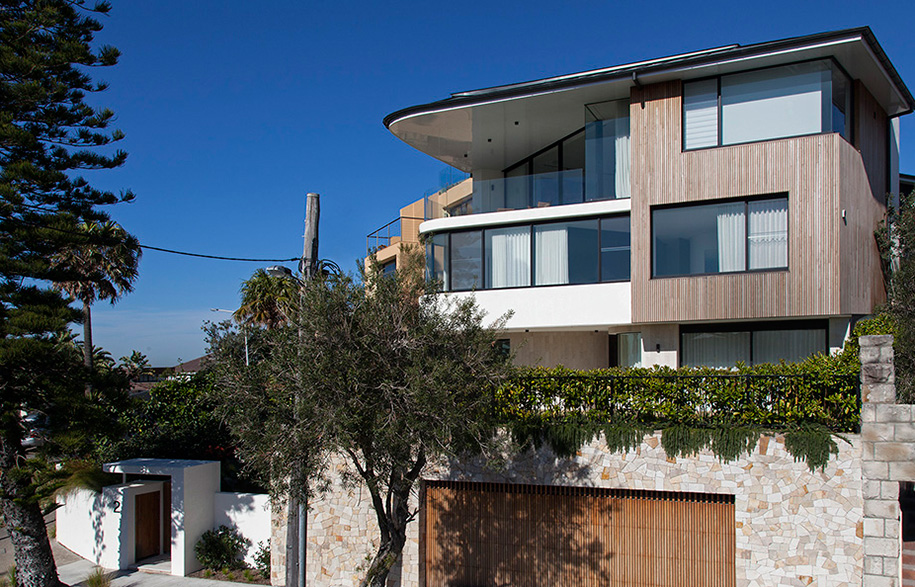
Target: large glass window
607 151
785 101
466 260
720 238
569 252
615 257
728 344
566 252
508 257
437 259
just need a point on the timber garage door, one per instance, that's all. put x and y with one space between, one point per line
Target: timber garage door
498 534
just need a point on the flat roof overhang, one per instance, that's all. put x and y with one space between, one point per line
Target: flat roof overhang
494 128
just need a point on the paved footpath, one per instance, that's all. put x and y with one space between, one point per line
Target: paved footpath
73 570
75 573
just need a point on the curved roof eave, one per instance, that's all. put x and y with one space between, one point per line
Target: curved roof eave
552 84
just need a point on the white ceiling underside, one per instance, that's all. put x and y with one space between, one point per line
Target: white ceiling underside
492 135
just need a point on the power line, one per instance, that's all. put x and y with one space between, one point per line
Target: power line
160 249
221 258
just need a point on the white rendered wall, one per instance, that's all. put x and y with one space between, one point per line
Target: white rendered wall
193 492
88 524
563 306
101 527
249 513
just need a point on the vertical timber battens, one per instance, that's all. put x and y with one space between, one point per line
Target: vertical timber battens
530 535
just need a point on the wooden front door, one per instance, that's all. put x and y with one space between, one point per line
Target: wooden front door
149 524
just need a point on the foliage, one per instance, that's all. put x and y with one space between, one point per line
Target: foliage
100 264
896 242
48 137
695 408
262 559
135 366
374 370
177 420
222 548
98 578
266 300
882 322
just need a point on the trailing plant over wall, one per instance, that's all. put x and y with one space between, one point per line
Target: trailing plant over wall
694 408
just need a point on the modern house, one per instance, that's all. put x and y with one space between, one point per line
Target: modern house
699 209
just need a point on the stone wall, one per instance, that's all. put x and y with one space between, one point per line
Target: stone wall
838 527
888 457
794 527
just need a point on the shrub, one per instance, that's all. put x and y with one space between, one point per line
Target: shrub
98 578
262 559
221 548
249 576
10 579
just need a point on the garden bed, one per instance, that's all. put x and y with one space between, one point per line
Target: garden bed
235 576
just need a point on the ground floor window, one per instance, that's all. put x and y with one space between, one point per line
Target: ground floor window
724 345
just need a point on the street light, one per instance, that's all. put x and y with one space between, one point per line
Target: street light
244 332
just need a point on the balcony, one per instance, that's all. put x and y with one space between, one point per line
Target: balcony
522 192
404 229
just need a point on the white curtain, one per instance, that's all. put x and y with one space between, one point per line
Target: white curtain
623 156
715 349
732 240
551 254
771 346
508 257
768 238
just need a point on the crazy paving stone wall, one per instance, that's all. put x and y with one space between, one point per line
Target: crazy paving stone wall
794 527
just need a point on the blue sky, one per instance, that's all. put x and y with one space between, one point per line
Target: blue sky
234 110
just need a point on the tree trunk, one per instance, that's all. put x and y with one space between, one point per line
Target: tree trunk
393 518
34 559
392 541
87 336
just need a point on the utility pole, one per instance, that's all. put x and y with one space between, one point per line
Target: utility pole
297 514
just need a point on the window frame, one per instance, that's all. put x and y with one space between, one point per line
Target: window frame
751 327
530 225
849 116
731 200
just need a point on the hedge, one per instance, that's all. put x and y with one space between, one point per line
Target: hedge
695 408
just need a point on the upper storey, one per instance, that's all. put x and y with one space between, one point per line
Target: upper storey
566 140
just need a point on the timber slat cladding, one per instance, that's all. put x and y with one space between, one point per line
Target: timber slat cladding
499 534
821 175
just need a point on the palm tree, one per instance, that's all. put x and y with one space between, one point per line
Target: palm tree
265 300
99 265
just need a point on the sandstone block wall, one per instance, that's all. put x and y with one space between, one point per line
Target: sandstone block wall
888 457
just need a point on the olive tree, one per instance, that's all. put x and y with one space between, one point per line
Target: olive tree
380 370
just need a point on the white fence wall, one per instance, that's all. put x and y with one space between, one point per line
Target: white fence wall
249 513
100 526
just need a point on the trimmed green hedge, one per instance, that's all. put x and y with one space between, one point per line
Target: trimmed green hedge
695 408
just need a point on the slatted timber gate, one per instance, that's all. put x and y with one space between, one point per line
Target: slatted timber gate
501 534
